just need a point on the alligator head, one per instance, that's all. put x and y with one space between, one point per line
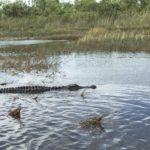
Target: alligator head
75 87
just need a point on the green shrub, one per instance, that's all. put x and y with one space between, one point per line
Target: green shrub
17 9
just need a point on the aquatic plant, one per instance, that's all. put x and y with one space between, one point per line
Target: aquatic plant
15 113
82 93
91 122
35 98
117 38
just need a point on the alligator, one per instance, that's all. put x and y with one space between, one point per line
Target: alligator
41 89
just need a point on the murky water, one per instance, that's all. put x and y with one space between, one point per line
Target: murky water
123 90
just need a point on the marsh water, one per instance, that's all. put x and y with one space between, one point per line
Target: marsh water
53 121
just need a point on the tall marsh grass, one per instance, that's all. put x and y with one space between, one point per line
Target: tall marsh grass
71 24
125 33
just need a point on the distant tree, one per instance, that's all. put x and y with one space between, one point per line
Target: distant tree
86 5
131 5
144 3
109 8
57 1
148 6
41 5
67 7
16 9
52 7
46 6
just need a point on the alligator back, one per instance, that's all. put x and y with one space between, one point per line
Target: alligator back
41 89
26 89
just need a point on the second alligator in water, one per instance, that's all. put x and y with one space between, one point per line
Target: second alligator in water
41 89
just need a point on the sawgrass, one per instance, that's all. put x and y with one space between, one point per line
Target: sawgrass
127 33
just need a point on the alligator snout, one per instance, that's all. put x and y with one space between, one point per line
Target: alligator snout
93 86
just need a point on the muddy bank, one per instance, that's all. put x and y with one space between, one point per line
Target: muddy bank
69 37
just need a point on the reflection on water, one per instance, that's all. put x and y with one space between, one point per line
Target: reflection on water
53 121
22 42
28 62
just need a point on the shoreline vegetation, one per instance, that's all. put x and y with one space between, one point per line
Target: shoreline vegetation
107 25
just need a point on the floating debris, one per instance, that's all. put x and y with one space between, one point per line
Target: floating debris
82 93
15 113
35 98
15 98
92 122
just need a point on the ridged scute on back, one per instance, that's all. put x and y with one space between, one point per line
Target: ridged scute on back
41 89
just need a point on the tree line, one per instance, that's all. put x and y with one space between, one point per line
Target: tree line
109 8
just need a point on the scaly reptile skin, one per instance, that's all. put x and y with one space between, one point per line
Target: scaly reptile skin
41 89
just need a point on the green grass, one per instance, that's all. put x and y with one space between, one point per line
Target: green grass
70 26
90 31
38 27
125 33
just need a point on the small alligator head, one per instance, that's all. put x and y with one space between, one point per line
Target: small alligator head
75 87
92 87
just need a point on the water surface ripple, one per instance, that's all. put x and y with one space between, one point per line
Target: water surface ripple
53 121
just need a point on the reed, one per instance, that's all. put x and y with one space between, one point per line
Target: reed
89 31
126 33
